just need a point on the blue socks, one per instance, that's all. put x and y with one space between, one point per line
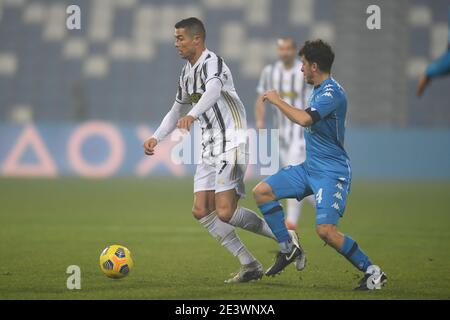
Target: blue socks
274 216
354 254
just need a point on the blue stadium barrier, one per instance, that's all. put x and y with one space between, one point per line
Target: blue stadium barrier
104 149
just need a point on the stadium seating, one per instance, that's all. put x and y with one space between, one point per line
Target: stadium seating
121 66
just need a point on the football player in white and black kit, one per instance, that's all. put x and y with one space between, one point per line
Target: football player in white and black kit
206 94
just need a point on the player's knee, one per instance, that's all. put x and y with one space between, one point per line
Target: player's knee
325 231
199 212
262 193
225 211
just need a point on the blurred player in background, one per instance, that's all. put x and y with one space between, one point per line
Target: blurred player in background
326 172
206 93
438 68
286 77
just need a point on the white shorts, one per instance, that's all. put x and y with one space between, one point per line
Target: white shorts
294 155
222 173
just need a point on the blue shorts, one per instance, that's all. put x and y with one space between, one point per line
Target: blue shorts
330 193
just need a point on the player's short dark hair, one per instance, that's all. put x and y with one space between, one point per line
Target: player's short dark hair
318 51
193 25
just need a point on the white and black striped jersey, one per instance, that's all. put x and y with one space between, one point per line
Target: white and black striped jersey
224 124
294 90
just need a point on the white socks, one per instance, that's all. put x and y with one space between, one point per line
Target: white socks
225 233
227 237
249 220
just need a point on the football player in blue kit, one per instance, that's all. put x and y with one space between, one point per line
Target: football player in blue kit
326 172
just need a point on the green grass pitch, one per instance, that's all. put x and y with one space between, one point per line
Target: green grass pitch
47 225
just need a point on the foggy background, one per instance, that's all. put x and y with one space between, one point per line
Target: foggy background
121 68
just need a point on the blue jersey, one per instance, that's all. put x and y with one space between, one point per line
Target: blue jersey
325 151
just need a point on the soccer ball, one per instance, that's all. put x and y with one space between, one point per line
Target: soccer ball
116 261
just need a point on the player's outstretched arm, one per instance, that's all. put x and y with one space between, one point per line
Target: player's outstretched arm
211 95
295 115
168 124
438 68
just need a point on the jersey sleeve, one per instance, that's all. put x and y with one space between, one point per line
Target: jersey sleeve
325 104
208 99
213 68
169 122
